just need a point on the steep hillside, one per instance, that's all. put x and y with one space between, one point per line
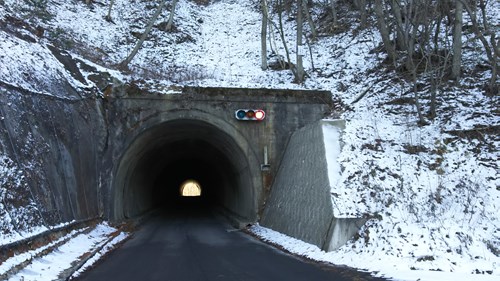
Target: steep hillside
431 191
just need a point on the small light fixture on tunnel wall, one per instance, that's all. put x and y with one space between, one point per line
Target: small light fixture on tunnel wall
250 114
190 188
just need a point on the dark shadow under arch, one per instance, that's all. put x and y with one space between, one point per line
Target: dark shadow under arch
161 158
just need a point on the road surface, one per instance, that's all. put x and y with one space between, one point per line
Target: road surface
194 246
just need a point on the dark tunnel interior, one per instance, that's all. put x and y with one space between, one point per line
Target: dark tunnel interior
162 158
192 159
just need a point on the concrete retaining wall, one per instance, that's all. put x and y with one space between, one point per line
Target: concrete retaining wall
299 204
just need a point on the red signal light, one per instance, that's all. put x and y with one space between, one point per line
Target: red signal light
259 114
250 114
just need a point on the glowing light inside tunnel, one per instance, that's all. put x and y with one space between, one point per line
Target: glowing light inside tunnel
190 188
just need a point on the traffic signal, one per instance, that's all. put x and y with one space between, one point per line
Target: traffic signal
250 114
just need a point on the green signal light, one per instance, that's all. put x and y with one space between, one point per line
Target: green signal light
240 114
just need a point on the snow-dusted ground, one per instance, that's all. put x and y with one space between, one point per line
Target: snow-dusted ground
433 197
66 254
393 268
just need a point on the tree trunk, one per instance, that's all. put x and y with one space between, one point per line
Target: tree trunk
282 35
300 48
310 20
494 70
108 16
362 12
491 51
334 12
171 17
477 30
384 30
400 26
263 36
457 42
144 35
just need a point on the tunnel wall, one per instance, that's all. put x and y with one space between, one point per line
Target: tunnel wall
76 151
132 112
300 203
240 198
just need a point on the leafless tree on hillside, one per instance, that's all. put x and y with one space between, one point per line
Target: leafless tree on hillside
309 18
108 16
333 8
263 35
482 31
171 17
457 41
363 11
144 35
299 76
383 27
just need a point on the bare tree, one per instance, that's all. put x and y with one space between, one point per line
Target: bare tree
457 41
362 8
171 17
401 31
333 8
108 16
144 35
299 77
263 35
491 47
310 21
383 28
283 40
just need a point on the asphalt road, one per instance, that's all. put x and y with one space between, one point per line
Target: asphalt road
200 246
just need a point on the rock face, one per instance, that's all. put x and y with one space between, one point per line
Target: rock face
56 142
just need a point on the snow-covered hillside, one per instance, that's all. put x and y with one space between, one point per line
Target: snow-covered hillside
432 192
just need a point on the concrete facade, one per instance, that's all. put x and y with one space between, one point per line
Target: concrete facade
86 157
119 156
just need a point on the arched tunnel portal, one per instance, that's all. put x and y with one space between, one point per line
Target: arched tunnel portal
160 159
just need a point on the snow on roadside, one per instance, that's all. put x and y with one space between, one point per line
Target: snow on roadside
380 267
107 248
50 267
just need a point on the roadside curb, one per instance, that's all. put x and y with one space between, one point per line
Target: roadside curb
45 242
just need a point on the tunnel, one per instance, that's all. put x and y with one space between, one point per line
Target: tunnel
160 159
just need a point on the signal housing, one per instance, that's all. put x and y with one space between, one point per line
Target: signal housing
250 114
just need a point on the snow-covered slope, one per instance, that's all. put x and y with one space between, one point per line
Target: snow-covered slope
432 192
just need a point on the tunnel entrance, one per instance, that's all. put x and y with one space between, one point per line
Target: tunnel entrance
162 158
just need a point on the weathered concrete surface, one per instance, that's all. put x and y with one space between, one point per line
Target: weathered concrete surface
144 125
122 155
299 204
342 230
300 200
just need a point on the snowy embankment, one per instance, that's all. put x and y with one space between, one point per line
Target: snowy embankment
67 256
432 192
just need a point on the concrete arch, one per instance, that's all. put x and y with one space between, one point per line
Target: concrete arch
186 144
